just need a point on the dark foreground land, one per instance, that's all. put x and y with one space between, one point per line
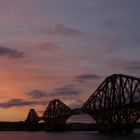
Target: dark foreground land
21 126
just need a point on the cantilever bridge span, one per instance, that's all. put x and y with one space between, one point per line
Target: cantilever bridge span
115 105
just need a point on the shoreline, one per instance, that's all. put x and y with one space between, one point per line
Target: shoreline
22 126
73 127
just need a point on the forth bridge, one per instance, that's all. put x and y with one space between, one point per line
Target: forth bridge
114 106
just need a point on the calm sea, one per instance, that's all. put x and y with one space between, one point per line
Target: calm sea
66 136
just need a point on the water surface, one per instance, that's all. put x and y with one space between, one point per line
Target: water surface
66 136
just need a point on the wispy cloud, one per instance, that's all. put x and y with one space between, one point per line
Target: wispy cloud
109 24
133 66
66 90
17 102
11 53
76 104
61 29
86 77
36 94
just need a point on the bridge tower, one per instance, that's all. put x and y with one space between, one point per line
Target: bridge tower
115 105
56 115
32 120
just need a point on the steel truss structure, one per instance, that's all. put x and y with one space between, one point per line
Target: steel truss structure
32 117
56 114
115 105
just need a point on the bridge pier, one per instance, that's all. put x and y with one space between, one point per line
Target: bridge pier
54 125
128 128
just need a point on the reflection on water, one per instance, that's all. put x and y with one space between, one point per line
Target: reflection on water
66 136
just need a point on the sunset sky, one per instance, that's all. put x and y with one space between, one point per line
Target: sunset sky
63 49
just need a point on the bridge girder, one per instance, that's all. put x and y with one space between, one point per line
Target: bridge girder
115 102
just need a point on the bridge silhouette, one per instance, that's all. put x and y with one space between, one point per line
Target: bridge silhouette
115 106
